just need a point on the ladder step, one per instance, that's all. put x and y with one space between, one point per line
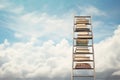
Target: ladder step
82 68
82 53
78 39
82 23
83 60
82 45
84 76
82 30
80 50
83 57
83 38
80 58
82 16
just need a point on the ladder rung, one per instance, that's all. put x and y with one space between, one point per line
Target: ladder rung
83 60
80 39
82 16
82 23
84 76
83 38
82 30
82 45
85 57
82 53
82 68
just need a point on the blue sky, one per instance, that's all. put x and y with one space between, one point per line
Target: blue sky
36 37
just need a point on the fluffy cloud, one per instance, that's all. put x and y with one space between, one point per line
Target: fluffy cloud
107 53
26 60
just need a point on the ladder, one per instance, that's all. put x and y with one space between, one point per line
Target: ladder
83 63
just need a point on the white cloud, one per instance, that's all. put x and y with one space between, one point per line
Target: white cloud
42 25
107 52
28 60
54 60
92 11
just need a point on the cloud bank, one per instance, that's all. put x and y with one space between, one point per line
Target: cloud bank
25 60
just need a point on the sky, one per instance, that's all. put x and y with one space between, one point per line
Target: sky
36 38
